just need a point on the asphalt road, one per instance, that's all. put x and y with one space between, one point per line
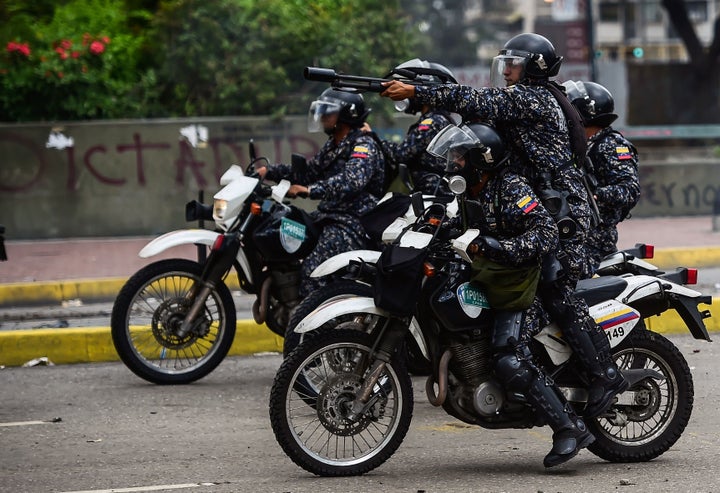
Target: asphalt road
99 428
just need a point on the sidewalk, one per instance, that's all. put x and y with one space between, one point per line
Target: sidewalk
53 271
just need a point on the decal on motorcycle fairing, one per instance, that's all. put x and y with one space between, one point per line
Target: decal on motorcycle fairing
616 320
292 234
472 300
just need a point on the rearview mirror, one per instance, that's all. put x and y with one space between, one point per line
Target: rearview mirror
418 204
298 164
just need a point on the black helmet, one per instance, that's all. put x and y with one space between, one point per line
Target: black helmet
593 101
534 52
421 71
478 143
347 103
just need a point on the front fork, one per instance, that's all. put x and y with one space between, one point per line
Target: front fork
391 337
216 267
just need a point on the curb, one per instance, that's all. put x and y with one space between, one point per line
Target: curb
106 289
94 344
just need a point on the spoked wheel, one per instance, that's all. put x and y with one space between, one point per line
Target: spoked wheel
650 416
317 429
150 309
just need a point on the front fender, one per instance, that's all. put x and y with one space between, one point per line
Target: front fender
177 238
335 308
341 260
191 237
354 304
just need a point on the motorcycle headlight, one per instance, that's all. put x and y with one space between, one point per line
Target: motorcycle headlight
219 209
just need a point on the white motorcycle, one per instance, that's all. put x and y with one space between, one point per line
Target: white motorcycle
174 320
349 383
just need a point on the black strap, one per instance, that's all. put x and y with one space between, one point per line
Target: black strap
578 140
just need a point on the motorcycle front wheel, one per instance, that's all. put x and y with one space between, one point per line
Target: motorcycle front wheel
150 308
416 362
650 416
322 436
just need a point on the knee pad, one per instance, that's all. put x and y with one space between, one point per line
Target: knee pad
506 329
515 375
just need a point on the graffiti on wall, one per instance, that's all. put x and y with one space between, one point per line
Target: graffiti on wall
126 163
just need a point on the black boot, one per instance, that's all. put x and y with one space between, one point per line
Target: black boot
567 442
593 350
603 389
570 434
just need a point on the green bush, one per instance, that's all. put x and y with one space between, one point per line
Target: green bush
91 59
82 64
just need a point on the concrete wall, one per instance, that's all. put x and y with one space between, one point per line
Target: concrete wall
127 178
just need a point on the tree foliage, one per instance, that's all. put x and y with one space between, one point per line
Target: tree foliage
187 57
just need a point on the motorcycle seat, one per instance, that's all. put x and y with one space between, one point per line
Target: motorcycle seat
599 289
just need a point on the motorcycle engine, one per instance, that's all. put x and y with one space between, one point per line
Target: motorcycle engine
472 364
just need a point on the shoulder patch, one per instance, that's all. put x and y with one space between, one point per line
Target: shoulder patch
623 152
527 204
360 151
425 124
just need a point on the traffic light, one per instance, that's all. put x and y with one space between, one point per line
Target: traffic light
638 52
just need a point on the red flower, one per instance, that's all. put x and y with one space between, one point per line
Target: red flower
66 44
22 48
106 40
96 47
76 54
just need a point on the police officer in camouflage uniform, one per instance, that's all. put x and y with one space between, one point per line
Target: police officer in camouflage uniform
425 169
346 176
516 230
533 116
614 165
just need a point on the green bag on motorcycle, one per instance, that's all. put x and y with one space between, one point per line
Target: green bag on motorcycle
506 287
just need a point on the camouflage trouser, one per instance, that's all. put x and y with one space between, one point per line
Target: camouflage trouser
336 238
600 242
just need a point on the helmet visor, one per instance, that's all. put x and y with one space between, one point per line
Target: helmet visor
451 144
575 90
318 109
507 70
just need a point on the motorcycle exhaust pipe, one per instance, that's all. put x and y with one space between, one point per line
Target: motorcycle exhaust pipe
438 399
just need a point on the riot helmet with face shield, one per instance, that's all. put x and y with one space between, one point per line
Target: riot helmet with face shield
532 55
593 101
348 104
468 148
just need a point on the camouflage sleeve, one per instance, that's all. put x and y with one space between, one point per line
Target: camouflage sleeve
365 162
617 170
528 231
280 171
486 103
412 148
277 172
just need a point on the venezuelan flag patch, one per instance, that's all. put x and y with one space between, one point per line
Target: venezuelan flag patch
527 204
623 152
360 152
616 318
425 124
